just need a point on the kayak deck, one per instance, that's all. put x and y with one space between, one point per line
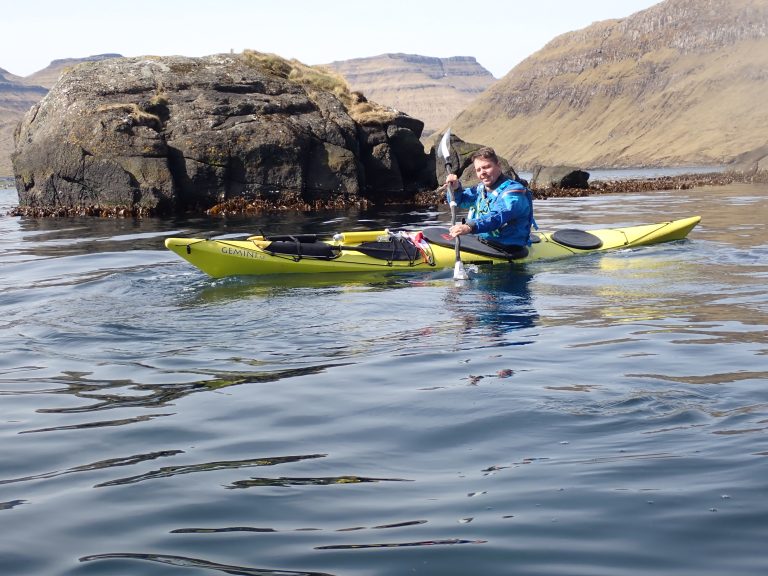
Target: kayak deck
368 250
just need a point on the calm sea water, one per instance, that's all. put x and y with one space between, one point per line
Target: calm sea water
605 415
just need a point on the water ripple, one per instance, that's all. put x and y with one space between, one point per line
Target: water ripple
449 542
228 529
318 481
187 562
105 396
723 378
111 463
11 504
170 471
101 424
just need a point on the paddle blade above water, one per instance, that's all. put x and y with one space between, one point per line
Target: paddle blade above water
445 148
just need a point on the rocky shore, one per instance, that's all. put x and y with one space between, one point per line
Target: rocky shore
295 203
629 186
167 135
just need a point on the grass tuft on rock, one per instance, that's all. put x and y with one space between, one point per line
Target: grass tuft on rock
321 79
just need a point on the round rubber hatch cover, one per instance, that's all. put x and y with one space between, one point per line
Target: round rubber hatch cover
580 239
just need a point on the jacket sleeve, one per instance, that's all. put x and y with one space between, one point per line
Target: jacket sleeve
466 197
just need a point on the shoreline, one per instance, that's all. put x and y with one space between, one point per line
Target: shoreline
635 185
241 206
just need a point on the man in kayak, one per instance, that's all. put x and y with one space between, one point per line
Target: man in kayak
500 208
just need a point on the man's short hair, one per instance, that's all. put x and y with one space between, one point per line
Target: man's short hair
486 153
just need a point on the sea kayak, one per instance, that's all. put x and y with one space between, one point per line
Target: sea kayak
377 250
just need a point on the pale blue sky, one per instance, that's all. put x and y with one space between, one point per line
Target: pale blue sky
500 35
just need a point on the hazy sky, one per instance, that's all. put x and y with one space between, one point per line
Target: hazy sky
499 35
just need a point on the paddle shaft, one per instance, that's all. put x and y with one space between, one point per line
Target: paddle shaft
445 144
452 202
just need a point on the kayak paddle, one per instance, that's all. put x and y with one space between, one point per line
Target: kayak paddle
459 273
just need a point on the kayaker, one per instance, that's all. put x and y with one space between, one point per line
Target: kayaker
500 208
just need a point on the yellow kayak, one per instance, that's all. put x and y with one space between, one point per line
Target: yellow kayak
378 250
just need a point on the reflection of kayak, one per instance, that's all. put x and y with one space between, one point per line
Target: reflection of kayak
407 251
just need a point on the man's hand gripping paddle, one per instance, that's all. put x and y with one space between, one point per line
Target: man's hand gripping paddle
459 273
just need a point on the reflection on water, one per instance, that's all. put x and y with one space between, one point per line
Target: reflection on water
284 481
126 393
497 301
399 544
169 471
254 529
111 463
187 562
153 418
241 289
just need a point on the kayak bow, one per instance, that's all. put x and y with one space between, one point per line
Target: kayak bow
430 248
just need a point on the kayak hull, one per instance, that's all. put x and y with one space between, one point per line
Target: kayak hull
221 258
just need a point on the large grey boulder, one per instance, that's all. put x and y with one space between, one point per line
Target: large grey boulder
158 134
559 177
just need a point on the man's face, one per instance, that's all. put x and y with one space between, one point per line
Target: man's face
487 171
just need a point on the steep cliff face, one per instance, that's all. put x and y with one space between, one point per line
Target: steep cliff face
683 82
433 90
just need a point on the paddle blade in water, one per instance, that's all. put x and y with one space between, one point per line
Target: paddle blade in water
459 273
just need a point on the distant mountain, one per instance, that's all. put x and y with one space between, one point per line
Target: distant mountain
431 89
18 94
683 82
7 77
16 97
47 76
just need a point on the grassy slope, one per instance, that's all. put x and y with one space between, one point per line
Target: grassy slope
655 107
